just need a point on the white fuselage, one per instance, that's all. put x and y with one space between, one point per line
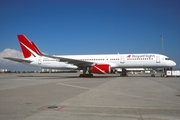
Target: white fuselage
114 60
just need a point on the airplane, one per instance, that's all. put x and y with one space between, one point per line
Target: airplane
99 63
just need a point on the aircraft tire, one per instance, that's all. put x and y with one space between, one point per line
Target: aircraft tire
152 75
86 75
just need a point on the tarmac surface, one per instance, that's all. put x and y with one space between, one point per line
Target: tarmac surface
65 96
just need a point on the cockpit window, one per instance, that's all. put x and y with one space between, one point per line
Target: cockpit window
167 59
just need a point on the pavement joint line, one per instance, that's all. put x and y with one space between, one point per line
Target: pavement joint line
140 114
161 83
101 114
85 82
135 96
116 107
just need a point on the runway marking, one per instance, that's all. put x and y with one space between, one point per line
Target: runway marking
135 96
43 108
60 107
140 114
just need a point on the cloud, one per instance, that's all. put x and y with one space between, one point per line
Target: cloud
9 53
11 65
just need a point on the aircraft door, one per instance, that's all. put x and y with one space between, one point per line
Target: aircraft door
39 60
121 59
157 59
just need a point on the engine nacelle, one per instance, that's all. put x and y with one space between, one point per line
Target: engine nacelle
101 68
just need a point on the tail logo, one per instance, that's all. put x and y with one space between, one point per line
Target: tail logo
28 48
28 52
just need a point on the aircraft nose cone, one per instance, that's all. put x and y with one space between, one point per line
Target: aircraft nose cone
173 63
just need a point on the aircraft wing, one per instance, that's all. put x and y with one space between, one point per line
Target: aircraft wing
78 63
18 60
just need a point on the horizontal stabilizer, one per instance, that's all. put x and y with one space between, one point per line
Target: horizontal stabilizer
18 60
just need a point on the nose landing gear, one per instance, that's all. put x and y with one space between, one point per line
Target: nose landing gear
85 69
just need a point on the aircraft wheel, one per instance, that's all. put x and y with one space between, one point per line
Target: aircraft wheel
86 75
152 75
90 75
81 75
123 75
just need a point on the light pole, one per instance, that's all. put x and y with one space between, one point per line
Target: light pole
162 44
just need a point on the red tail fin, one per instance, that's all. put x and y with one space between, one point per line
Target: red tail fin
36 48
26 46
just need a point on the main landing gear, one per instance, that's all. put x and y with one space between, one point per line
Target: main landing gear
153 73
124 73
84 73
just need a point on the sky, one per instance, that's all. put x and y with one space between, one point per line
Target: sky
93 26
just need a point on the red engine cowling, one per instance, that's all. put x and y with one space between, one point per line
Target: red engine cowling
101 68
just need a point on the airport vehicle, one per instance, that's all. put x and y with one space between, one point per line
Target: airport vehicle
100 64
173 73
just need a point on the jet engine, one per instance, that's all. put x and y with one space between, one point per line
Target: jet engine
100 68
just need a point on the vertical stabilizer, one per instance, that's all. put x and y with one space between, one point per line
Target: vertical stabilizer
27 47
36 49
